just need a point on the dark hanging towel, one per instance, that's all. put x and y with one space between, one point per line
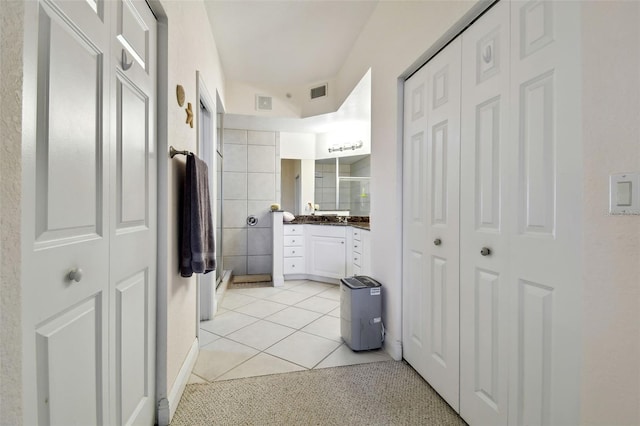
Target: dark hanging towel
197 250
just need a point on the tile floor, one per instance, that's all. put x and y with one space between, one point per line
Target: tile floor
269 330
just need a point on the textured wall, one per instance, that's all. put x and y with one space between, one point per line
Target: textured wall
191 47
611 101
11 22
397 34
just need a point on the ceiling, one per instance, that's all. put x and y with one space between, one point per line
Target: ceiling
286 43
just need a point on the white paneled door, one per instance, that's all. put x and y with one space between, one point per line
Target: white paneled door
431 222
89 213
484 193
545 165
520 181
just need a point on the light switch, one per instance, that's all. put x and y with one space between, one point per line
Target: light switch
624 193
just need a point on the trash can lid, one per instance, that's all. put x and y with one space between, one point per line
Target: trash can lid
360 281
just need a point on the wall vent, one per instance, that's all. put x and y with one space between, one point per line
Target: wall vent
319 92
263 103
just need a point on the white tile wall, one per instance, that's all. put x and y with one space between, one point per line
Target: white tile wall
234 214
259 264
234 242
261 159
261 138
235 158
235 136
234 186
262 210
259 241
261 186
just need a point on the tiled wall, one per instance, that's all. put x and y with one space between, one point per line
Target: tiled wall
251 183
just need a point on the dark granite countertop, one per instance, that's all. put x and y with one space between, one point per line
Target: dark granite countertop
361 222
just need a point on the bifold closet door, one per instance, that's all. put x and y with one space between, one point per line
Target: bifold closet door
545 209
89 227
484 194
431 222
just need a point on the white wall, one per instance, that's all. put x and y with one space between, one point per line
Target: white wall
11 46
191 47
611 129
241 100
395 36
297 145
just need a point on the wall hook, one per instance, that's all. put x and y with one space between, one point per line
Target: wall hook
125 65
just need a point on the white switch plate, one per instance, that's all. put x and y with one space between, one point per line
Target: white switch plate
624 193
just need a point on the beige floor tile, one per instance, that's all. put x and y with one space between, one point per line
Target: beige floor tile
261 308
259 292
260 365
332 293
303 349
326 326
233 300
288 297
335 312
227 323
218 357
293 317
311 288
207 337
318 304
195 379
260 335
345 356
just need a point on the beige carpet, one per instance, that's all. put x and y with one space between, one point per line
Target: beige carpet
381 393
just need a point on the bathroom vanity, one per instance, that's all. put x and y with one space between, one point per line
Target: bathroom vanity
321 250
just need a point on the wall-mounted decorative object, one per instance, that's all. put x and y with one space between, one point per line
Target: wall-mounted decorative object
189 115
346 146
180 94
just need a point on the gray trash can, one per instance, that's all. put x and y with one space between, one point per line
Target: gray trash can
361 312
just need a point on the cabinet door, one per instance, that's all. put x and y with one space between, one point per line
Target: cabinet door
431 222
484 290
327 257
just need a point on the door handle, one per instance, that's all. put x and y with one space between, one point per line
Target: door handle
75 275
486 251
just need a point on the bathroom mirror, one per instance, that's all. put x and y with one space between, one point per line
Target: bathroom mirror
343 185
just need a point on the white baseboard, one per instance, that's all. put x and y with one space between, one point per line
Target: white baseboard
393 348
183 377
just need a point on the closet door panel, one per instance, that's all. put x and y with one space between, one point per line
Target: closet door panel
415 222
442 239
544 248
484 291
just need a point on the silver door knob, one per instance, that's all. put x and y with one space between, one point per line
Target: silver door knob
437 242
75 275
486 251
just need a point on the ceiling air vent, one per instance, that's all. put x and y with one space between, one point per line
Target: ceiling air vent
318 92
263 103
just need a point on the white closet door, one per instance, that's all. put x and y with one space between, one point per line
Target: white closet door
484 287
133 213
546 170
65 216
431 280
415 249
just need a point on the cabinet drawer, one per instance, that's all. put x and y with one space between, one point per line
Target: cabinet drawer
357 247
357 270
292 230
296 251
293 265
293 240
357 259
357 234
334 231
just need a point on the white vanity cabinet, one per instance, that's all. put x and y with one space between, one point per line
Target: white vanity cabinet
360 252
293 249
327 251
